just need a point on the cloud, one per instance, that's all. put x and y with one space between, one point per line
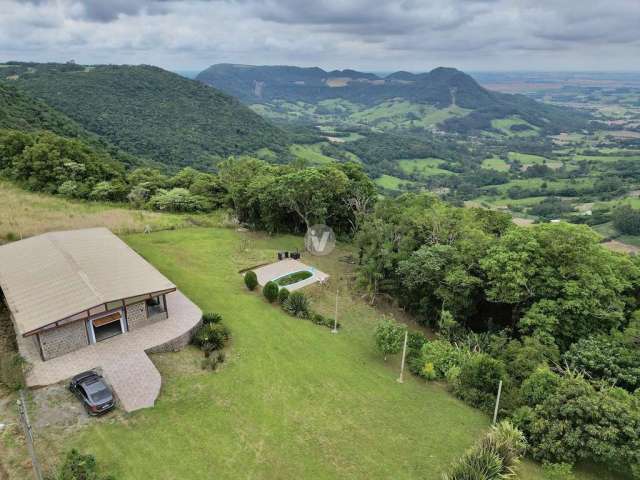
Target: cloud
366 34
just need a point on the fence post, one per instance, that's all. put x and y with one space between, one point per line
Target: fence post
495 411
26 426
404 354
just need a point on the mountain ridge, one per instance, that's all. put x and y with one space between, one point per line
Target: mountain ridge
442 88
149 112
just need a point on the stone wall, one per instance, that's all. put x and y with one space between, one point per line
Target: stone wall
137 315
177 343
64 339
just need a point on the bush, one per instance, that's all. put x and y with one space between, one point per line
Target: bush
209 362
211 317
558 471
212 336
429 372
270 291
251 280
442 355
297 304
77 466
283 294
178 200
12 370
493 458
389 336
538 386
478 381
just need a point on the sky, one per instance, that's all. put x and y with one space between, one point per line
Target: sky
372 35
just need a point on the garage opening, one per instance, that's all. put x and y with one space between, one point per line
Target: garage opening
107 326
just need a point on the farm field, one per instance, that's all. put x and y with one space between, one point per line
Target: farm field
390 182
293 401
424 167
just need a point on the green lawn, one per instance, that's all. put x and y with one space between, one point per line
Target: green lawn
505 124
496 163
426 167
390 182
293 400
310 153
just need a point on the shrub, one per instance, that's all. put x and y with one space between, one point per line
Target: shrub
178 200
251 280
580 421
429 372
211 317
211 336
12 370
389 336
493 458
558 471
297 304
209 362
270 291
77 466
442 355
283 294
478 381
452 375
538 386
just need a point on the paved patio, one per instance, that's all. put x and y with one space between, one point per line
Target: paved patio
284 267
123 359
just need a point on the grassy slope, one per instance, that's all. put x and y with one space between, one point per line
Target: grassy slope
310 153
424 166
294 401
23 214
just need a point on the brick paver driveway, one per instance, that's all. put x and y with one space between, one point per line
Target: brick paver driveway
123 359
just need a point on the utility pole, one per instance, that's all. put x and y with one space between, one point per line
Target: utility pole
404 354
335 318
495 411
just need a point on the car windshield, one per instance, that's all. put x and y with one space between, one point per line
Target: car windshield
100 395
98 391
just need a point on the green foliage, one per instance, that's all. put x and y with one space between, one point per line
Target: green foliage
270 291
493 458
626 220
558 471
152 113
442 355
297 304
77 466
579 421
294 277
287 198
538 386
12 370
389 336
49 163
251 280
211 317
478 381
211 336
283 294
178 200
606 358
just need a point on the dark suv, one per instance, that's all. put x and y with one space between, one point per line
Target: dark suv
92 390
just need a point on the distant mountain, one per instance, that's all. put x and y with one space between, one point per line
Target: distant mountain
148 112
441 88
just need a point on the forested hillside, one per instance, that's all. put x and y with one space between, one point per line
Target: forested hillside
149 112
442 89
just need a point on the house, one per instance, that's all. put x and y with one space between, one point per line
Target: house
67 290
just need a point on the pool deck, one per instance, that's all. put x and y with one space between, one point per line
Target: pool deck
285 267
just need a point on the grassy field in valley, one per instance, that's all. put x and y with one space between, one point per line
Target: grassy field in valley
293 400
